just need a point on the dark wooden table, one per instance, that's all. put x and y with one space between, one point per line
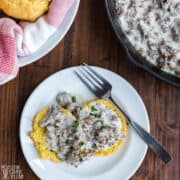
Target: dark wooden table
91 40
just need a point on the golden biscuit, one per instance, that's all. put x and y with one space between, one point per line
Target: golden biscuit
111 106
28 10
39 133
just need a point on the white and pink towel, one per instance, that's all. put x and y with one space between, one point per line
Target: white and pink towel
25 38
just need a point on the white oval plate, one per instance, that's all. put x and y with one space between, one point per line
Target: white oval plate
121 165
54 39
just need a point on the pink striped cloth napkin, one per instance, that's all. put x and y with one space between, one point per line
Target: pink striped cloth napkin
25 38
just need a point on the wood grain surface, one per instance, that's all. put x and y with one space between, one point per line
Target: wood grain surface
91 40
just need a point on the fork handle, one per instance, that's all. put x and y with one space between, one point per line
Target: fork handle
155 146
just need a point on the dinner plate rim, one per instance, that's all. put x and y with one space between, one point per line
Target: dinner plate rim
72 68
53 40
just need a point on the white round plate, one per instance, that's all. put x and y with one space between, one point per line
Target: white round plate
54 39
119 166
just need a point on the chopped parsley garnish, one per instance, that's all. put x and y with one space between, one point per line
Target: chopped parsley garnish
95 115
93 108
67 142
94 146
56 126
73 99
75 124
100 122
104 127
81 143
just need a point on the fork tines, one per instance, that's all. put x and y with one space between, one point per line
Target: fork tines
93 80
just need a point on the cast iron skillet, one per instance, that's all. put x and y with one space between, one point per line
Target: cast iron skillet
132 54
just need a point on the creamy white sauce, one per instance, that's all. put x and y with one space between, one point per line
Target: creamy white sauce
76 135
149 26
104 118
